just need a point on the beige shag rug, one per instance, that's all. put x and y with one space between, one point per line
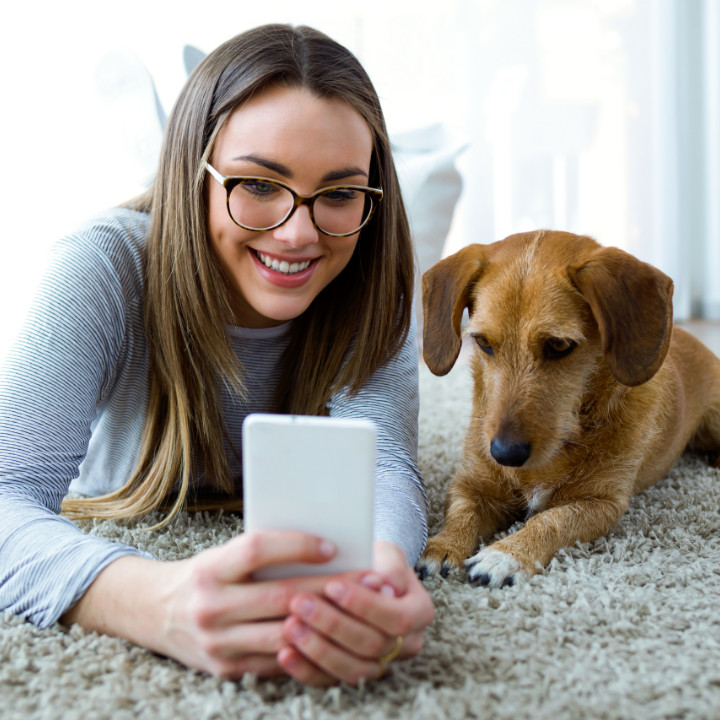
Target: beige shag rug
624 627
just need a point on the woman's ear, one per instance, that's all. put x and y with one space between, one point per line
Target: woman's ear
632 305
447 291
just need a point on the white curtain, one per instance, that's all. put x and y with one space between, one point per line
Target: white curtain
689 211
601 118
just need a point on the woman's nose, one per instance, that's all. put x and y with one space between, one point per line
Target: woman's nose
299 230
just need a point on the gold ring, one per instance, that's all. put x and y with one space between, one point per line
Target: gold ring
384 661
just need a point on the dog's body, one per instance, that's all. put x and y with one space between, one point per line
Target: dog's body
584 394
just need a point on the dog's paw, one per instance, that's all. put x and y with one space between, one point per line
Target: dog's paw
437 558
494 568
430 566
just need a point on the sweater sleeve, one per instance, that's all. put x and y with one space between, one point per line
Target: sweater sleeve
390 399
52 384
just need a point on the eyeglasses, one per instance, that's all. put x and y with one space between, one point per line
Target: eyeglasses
260 204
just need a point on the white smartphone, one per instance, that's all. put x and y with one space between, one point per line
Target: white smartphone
315 474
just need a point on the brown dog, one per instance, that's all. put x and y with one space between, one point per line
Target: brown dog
584 394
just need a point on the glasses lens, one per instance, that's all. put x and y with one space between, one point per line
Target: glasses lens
342 210
258 204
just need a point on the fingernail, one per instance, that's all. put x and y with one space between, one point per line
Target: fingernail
305 607
298 631
371 581
387 590
336 590
327 549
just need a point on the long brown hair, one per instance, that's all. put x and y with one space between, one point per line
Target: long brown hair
354 325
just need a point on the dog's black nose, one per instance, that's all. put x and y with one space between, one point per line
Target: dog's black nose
512 454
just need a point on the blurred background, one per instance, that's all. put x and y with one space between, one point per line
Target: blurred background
600 117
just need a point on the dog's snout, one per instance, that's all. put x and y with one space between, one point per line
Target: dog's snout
509 452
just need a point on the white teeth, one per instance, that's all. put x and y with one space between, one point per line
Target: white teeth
283 266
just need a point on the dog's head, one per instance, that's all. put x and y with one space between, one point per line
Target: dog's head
547 310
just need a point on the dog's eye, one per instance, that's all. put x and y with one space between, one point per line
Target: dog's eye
484 345
556 348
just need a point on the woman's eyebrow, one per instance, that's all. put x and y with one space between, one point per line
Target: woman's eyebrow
266 163
344 173
285 171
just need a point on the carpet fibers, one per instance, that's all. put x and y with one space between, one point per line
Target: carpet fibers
624 627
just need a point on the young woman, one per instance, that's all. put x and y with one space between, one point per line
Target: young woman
269 268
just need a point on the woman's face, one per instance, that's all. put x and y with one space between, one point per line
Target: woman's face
308 142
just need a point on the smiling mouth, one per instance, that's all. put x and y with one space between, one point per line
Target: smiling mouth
283 266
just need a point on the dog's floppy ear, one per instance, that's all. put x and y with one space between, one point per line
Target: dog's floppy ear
447 290
632 305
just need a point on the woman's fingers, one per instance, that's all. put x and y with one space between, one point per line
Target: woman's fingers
295 665
227 651
216 618
237 641
240 557
225 605
394 616
347 633
328 657
340 645
344 630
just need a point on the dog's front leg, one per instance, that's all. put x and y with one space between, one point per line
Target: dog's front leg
528 550
474 510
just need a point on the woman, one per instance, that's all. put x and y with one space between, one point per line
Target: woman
268 269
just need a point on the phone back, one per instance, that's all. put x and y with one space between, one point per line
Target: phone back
315 474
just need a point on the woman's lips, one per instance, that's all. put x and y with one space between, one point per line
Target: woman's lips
284 272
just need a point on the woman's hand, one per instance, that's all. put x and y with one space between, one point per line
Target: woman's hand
206 611
345 635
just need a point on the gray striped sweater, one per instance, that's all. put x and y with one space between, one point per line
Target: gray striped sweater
73 397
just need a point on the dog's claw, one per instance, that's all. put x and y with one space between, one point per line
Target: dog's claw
484 580
480 580
493 568
427 567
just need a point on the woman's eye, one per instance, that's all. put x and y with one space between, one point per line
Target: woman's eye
259 187
484 345
339 196
556 348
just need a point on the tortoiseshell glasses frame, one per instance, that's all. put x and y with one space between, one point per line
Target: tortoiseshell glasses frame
334 194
